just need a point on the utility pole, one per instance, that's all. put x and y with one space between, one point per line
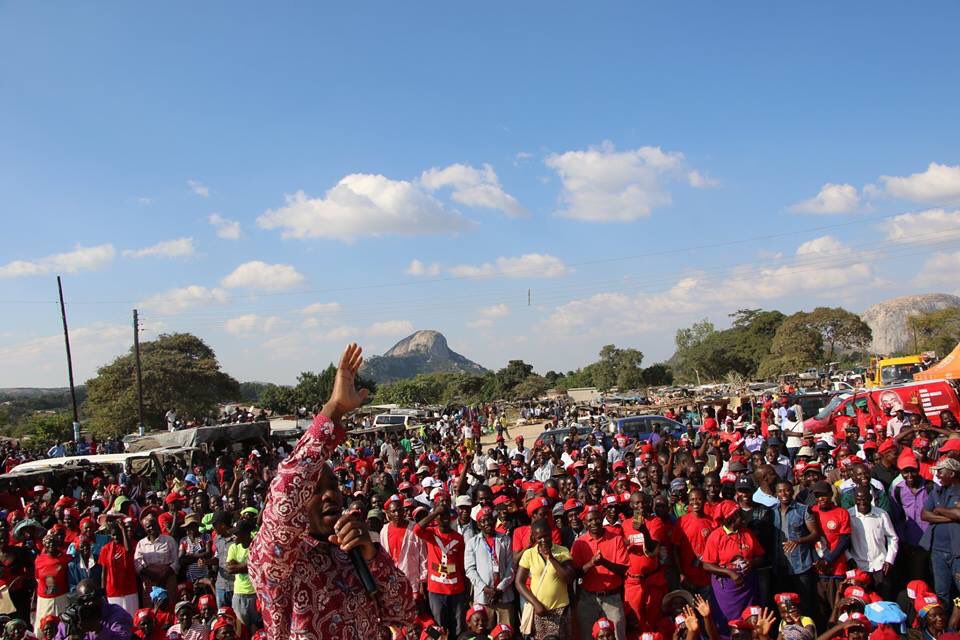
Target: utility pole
136 351
66 339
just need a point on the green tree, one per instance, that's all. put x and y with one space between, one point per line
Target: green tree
278 398
49 428
657 375
796 345
839 329
179 372
936 330
693 335
533 386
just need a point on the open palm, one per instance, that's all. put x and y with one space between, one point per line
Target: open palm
345 397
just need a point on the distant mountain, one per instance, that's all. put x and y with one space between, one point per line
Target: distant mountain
26 393
888 319
422 352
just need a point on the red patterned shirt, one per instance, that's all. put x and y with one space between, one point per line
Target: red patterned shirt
308 588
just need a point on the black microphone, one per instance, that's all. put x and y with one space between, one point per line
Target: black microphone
363 571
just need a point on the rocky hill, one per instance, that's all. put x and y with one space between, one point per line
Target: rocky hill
888 319
422 352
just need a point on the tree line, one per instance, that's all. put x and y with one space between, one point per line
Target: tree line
181 372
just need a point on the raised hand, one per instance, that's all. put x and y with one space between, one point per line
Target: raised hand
702 605
690 620
345 397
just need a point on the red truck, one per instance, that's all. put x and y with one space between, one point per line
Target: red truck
928 397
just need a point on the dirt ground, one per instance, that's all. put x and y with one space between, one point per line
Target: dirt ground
529 431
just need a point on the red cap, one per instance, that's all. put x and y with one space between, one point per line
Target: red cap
870 444
859 576
172 497
856 593
888 445
952 444
477 608
534 505
907 460
919 442
926 602
726 508
917 589
501 500
610 500
787 598
858 617
752 610
499 629
572 504
603 624
47 619
138 618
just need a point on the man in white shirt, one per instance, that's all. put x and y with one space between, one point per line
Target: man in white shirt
895 424
521 450
873 541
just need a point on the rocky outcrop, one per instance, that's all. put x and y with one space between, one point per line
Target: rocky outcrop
888 319
422 352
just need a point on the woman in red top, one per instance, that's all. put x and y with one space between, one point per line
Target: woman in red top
119 574
728 556
50 570
645 583
690 538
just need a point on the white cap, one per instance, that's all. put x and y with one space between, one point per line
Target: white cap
464 501
492 465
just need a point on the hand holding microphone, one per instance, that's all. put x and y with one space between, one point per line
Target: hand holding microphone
353 537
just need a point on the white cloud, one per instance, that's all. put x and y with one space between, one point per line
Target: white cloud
265 277
833 198
226 228
495 311
530 265
820 267
41 361
80 259
418 268
471 271
390 328
198 188
179 248
180 299
321 308
364 205
144 201
699 180
939 269
823 244
939 184
488 315
601 184
932 225
472 187
250 323
521 157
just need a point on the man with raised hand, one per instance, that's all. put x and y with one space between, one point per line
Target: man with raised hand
298 561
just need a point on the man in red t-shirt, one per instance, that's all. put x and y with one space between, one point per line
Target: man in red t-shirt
834 523
119 573
446 579
601 559
406 549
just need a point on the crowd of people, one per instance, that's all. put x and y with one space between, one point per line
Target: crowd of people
741 526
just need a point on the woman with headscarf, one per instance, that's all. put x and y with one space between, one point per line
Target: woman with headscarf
931 620
728 557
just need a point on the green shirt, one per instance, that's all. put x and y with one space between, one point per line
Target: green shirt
241 581
405 443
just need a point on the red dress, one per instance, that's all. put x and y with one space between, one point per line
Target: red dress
644 586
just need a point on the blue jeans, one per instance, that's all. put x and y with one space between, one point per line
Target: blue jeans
946 575
449 611
224 598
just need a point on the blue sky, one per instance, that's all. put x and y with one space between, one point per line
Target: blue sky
635 166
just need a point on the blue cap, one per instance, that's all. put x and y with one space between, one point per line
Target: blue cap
159 593
190 478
